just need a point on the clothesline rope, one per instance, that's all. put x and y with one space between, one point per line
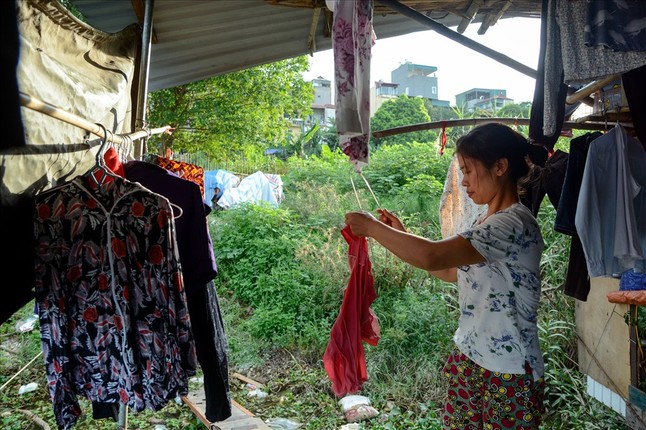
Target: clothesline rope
356 194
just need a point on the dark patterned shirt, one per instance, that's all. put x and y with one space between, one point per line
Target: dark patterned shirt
113 317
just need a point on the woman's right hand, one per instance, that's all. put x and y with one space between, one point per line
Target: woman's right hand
360 222
390 219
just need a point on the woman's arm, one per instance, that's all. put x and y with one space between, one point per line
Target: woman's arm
440 258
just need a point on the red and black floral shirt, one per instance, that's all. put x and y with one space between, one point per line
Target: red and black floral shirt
113 318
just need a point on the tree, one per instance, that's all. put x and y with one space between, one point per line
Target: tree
399 112
222 115
514 110
439 113
304 144
329 136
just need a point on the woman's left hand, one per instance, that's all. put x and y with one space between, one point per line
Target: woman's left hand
360 222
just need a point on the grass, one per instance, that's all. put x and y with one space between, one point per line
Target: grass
281 278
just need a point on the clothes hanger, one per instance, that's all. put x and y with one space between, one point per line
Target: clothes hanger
100 172
176 210
125 150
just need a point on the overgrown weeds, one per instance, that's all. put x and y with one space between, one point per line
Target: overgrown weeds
417 314
282 272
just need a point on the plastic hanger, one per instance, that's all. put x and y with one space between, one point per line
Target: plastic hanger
100 172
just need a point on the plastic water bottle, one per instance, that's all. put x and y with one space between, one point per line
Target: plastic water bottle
27 388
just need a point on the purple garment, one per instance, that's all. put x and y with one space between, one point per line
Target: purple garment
199 268
193 239
352 41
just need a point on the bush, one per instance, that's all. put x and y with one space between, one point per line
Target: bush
256 247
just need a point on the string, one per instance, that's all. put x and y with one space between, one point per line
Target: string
370 252
355 193
370 189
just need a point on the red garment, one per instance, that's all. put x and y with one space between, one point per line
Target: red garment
113 162
184 170
344 357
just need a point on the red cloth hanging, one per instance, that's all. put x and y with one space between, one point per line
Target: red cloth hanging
113 162
443 138
344 358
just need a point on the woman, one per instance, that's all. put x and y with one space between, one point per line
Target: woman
495 372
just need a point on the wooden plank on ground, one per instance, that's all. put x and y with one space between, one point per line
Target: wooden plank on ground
248 380
240 419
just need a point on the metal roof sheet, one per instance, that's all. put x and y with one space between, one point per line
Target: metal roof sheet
197 39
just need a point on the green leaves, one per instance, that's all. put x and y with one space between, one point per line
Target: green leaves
398 112
257 249
224 114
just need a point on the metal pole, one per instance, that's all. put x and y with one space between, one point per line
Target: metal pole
144 67
457 37
122 419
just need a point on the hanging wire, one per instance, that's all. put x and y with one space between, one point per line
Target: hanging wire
356 194
370 189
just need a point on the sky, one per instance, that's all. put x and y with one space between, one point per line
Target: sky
459 68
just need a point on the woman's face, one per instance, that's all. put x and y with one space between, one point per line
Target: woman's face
481 183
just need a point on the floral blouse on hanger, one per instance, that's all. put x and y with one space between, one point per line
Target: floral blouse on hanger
113 317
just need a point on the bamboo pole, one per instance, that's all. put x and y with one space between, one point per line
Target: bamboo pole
467 122
48 109
20 371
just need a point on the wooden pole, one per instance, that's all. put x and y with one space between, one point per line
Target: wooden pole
469 122
48 109
457 37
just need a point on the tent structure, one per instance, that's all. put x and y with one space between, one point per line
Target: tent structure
97 65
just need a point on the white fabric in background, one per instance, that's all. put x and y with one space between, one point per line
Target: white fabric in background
221 179
254 188
457 211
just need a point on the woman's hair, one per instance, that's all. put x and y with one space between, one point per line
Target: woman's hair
490 142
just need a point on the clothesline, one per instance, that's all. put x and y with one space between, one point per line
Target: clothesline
70 118
567 125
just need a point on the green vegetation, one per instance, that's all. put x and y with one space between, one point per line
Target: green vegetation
399 112
225 116
417 313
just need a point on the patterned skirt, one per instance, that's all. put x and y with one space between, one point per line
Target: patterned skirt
481 399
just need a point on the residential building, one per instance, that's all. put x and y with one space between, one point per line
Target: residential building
322 106
381 92
323 109
415 80
482 98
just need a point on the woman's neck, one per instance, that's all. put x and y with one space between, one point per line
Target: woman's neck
502 200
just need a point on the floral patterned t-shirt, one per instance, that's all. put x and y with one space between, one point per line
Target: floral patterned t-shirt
114 322
499 298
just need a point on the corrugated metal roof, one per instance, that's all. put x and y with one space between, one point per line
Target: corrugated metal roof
199 39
